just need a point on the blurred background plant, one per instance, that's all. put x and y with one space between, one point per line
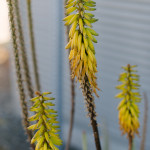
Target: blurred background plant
128 108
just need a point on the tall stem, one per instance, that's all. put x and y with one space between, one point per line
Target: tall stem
130 141
89 100
18 69
129 84
72 111
23 51
32 42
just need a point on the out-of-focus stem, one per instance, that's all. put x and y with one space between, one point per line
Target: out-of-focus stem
23 50
130 141
72 111
18 69
32 42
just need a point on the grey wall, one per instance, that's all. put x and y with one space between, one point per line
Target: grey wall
124 37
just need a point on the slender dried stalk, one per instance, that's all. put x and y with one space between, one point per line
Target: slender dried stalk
89 100
72 111
23 50
145 122
130 141
18 70
32 42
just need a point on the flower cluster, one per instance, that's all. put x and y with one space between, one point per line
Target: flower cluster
128 108
82 54
46 136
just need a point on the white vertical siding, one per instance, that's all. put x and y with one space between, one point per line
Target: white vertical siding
124 28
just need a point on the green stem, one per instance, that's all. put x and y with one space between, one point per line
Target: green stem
72 111
84 141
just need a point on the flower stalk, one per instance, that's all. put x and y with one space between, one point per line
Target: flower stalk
32 43
82 54
128 108
72 111
23 50
18 69
90 105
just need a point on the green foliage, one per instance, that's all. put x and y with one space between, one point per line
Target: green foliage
84 141
46 136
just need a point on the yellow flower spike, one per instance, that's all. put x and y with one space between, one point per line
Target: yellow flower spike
72 43
90 4
81 25
46 123
45 146
82 21
69 1
93 20
68 17
70 10
84 32
87 22
32 127
76 39
40 142
85 42
92 31
87 16
46 93
74 18
94 40
91 46
82 52
128 108
90 65
79 42
68 45
89 34
71 55
70 4
81 5
91 55
73 29
89 9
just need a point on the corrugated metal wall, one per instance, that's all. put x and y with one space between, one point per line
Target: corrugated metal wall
124 28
